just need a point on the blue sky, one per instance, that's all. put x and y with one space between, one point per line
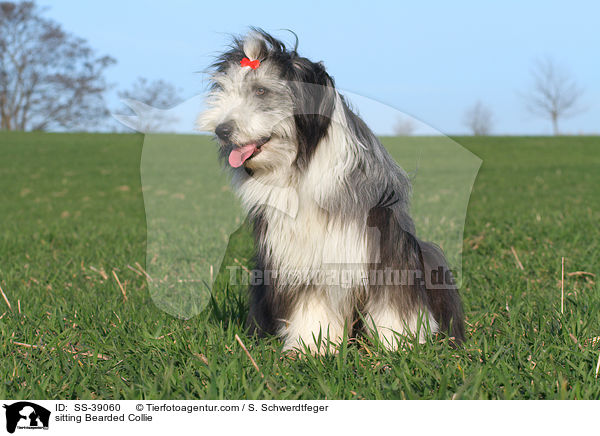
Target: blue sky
430 60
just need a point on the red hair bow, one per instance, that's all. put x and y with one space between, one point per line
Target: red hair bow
248 63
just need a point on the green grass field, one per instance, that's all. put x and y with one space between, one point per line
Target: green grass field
72 213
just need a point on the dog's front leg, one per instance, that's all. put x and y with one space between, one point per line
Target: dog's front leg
393 326
313 323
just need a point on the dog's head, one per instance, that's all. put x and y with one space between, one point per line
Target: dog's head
268 106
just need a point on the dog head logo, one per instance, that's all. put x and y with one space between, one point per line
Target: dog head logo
26 415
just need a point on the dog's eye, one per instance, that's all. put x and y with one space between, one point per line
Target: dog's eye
260 91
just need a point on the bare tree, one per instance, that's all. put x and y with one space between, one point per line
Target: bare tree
404 126
479 119
150 100
554 95
48 78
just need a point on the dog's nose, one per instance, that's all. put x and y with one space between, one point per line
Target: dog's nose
224 130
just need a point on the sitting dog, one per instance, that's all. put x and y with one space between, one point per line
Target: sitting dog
327 202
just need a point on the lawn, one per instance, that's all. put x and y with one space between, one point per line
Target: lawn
83 323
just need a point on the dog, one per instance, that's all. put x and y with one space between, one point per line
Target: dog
325 199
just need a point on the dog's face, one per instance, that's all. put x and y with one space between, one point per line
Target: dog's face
251 113
272 116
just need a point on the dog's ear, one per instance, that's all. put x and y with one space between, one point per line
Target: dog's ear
314 101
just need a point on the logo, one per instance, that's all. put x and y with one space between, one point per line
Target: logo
26 415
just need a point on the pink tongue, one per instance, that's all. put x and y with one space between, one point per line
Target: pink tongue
239 155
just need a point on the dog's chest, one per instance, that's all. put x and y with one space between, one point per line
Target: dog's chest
312 239
298 237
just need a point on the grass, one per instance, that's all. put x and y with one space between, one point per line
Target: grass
72 213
